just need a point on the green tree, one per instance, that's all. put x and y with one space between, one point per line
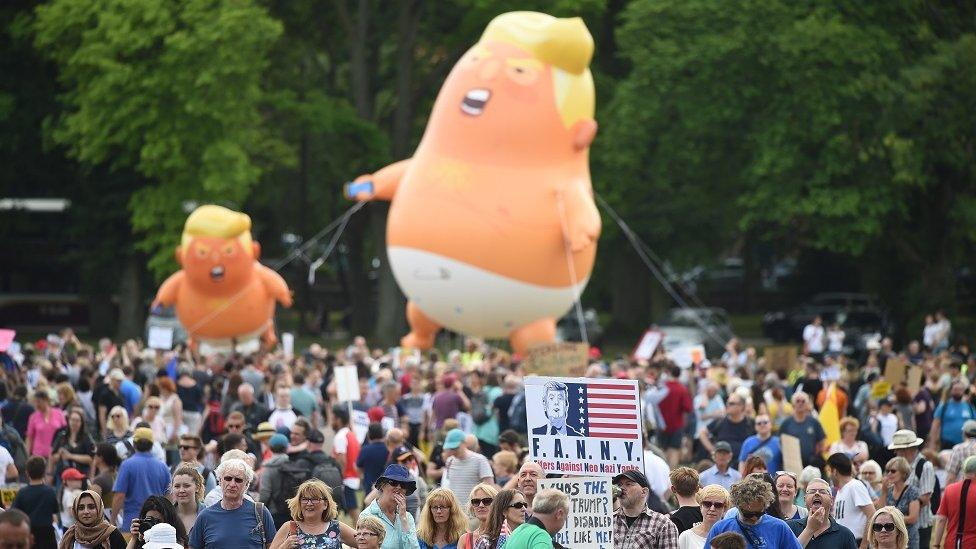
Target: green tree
170 90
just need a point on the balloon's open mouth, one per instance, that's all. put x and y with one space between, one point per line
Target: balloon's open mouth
474 101
217 273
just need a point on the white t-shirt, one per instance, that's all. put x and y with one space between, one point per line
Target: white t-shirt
658 473
929 333
813 336
835 340
283 418
887 425
5 460
846 507
690 540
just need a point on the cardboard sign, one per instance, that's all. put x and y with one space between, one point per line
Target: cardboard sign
895 370
792 460
347 383
647 345
914 379
880 389
589 524
161 338
584 426
6 338
555 359
781 358
686 357
7 495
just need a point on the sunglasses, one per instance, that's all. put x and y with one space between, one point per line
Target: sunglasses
751 515
482 501
519 505
714 504
395 484
891 470
116 415
238 480
887 526
182 447
235 426
762 422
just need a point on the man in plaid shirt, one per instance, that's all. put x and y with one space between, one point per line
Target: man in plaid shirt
961 451
635 525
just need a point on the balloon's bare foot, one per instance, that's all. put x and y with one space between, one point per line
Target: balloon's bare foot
540 331
269 339
416 341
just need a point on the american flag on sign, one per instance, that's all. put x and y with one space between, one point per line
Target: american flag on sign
606 410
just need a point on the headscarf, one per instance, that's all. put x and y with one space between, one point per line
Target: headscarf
96 534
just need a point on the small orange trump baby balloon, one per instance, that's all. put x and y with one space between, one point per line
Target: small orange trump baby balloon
223 293
492 228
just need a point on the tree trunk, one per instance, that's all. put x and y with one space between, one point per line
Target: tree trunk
631 302
132 310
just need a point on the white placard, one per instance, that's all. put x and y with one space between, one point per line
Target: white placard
686 357
160 338
347 383
590 521
584 426
288 344
648 344
360 424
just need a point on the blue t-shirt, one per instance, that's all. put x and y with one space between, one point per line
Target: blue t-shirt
372 460
952 417
130 394
769 533
809 431
140 476
770 451
217 527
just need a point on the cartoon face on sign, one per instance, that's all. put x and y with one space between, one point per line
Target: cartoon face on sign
555 402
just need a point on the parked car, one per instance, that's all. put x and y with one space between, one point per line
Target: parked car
707 326
568 329
859 315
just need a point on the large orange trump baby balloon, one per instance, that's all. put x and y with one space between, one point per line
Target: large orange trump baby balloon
492 228
223 293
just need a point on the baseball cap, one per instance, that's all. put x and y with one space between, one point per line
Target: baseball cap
278 441
375 414
72 474
633 475
143 433
315 436
116 374
722 446
454 439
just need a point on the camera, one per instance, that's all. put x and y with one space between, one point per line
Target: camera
145 523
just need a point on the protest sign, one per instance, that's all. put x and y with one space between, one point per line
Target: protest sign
553 359
359 423
647 345
914 379
288 344
895 371
347 383
780 358
688 356
589 524
6 338
583 425
880 389
792 458
7 495
160 337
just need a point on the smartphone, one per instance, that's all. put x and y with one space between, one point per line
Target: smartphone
352 189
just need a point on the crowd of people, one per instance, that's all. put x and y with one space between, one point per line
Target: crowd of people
123 446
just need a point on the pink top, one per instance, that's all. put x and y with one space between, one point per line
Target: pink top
42 432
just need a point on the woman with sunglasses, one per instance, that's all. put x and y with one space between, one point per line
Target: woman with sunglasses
118 433
152 416
370 533
394 485
896 492
442 521
870 473
752 496
714 500
313 523
507 513
481 498
887 529
91 529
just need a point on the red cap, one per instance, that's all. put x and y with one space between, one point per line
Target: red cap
622 375
595 353
72 474
375 414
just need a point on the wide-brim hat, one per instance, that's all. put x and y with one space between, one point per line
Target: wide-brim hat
161 536
398 473
904 438
264 432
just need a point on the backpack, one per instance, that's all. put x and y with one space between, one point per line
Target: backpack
327 469
293 474
479 408
215 418
936 488
516 414
15 445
